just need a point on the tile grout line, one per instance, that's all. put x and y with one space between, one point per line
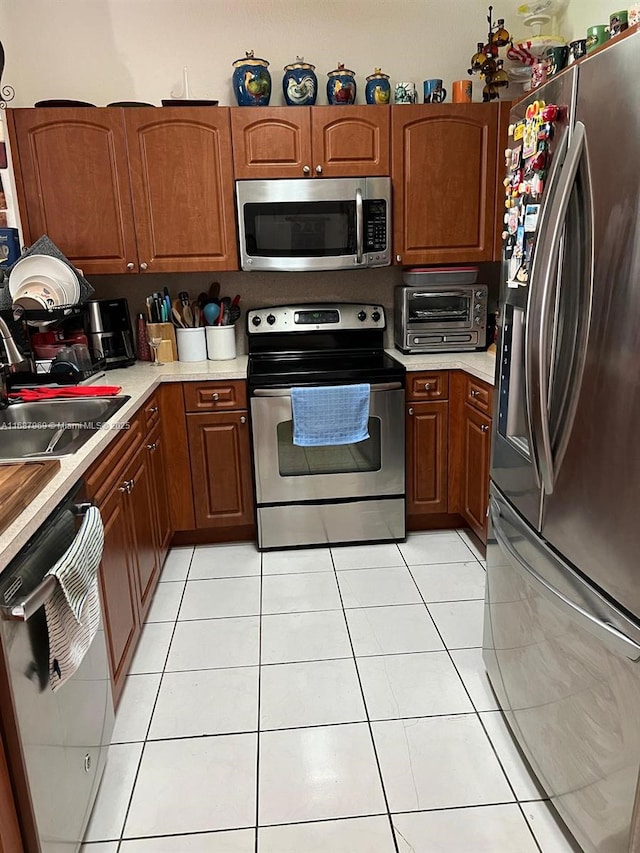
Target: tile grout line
366 710
259 703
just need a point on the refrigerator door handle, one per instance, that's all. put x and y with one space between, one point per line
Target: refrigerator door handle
614 639
541 307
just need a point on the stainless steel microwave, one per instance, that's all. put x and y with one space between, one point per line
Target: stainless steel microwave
440 318
303 225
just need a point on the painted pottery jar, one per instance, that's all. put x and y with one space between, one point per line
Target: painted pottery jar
378 89
341 86
300 84
251 81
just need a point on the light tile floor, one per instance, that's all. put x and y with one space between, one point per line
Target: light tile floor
317 701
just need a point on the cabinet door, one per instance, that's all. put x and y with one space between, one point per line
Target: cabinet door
427 445
141 509
117 586
155 448
182 187
74 184
444 175
10 837
475 480
271 142
350 141
220 450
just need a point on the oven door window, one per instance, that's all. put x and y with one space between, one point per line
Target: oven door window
315 229
294 461
440 309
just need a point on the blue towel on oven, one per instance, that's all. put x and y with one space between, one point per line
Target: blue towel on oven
330 414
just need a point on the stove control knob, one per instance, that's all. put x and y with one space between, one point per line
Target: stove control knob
375 316
270 319
362 316
479 294
256 320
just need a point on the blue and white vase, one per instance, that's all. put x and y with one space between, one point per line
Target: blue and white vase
251 81
341 86
300 84
378 88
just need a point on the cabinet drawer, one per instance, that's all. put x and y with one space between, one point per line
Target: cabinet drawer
151 412
478 394
428 386
214 396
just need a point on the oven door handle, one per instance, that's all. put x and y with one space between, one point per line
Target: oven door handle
359 227
286 392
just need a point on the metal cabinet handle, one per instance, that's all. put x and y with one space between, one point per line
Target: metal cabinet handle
124 487
318 170
131 265
410 410
399 259
132 483
427 386
484 428
475 392
153 446
243 420
305 170
215 396
153 410
143 266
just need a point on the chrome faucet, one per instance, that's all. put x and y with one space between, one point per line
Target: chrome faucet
15 361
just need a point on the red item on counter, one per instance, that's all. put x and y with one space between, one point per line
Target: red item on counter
30 395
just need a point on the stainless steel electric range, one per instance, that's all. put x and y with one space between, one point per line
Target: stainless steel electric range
329 494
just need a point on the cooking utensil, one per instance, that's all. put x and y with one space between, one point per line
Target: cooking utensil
211 312
214 289
234 309
187 314
176 312
177 318
195 310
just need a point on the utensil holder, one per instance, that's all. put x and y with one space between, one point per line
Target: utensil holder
221 342
192 345
167 351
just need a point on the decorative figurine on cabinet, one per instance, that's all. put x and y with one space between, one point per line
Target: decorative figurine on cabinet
300 84
378 89
485 60
341 86
251 81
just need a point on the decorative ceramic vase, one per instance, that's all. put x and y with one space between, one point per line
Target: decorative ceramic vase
378 88
251 81
299 84
341 86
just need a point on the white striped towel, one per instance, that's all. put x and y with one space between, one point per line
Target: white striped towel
73 609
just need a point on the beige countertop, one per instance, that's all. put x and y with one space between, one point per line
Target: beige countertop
139 381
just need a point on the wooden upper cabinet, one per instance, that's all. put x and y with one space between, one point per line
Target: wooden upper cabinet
182 186
444 182
130 190
298 142
73 184
351 141
271 142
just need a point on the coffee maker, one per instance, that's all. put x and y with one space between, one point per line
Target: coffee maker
109 331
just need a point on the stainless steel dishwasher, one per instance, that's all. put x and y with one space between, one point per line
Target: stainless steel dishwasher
57 742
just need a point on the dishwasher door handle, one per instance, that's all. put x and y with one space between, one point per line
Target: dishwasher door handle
286 392
23 610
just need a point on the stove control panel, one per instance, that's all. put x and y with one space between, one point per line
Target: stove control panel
318 318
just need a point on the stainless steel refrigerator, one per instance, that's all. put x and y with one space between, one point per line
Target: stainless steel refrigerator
562 613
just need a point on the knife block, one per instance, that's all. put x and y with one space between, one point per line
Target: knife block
167 351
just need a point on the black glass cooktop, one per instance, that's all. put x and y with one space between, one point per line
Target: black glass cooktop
324 368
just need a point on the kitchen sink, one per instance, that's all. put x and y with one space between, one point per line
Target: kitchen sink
49 429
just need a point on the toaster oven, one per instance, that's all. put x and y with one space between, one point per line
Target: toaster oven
439 318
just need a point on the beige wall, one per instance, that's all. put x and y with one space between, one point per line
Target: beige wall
584 13
112 50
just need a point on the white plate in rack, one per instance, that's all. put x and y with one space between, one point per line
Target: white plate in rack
34 265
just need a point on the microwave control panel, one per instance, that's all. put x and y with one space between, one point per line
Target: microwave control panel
375 215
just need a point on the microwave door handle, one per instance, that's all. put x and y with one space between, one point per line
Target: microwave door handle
540 305
359 227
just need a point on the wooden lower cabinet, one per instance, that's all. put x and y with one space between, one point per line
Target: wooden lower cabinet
220 450
476 444
132 498
427 454
470 450
10 835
